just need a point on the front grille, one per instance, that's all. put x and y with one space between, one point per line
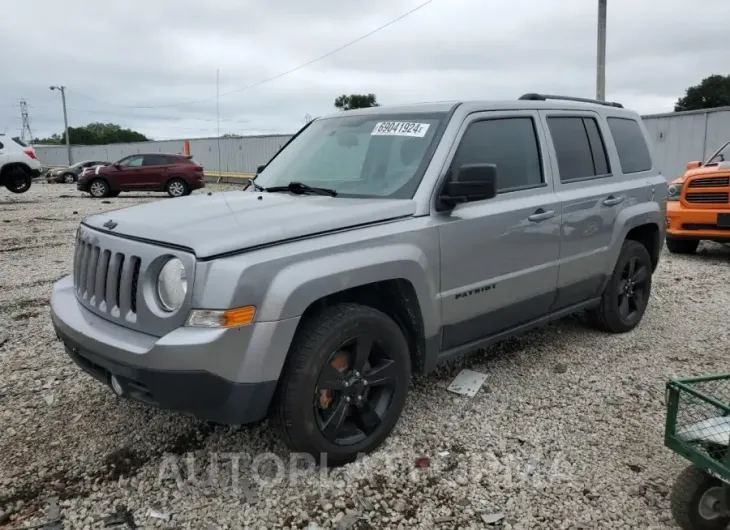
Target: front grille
708 197
107 280
710 182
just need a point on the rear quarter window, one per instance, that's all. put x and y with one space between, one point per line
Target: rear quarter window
633 153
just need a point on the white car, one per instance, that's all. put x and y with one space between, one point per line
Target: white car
18 164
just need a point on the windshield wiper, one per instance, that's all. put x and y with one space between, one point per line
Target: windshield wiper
257 187
300 187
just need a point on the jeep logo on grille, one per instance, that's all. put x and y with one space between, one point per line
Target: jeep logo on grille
110 224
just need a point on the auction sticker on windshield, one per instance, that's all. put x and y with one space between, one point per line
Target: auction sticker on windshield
400 128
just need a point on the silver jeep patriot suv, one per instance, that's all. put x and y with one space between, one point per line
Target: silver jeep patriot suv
376 244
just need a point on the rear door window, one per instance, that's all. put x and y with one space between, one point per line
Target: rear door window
579 147
155 160
633 153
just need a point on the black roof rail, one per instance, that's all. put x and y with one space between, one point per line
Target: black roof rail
544 97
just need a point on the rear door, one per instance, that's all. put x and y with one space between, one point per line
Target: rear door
593 192
156 170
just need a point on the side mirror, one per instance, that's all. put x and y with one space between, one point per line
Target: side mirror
260 168
694 164
473 182
116 165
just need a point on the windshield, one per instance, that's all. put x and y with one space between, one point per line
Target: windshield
359 156
721 155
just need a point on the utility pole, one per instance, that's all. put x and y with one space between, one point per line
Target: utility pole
218 118
25 133
601 55
65 121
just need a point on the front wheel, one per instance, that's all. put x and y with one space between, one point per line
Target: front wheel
17 181
627 294
176 188
69 178
99 188
345 384
682 246
698 501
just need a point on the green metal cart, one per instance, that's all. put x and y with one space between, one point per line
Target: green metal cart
698 428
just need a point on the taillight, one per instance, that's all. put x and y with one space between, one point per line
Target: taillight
30 152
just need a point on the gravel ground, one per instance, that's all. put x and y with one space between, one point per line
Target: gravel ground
566 433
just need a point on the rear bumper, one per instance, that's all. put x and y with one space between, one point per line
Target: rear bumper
695 223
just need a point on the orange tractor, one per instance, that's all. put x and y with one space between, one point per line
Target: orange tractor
699 204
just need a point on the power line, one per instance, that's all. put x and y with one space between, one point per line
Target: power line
269 79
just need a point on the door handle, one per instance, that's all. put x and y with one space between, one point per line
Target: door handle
541 215
613 201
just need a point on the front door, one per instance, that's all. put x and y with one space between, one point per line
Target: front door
130 173
499 257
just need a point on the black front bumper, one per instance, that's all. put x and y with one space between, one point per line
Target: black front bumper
201 394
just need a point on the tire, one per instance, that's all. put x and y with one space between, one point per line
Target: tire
629 284
370 409
69 178
99 188
176 188
17 180
682 246
690 501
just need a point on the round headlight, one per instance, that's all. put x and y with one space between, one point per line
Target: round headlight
172 285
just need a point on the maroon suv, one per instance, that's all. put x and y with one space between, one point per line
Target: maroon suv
178 175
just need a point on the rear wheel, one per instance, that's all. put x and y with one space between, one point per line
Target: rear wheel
17 180
99 188
176 188
345 385
626 296
698 501
69 178
682 246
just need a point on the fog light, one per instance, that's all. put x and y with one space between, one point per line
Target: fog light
117 386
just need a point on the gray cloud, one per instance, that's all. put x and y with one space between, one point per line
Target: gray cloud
161 53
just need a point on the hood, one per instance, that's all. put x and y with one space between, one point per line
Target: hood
706 171
232 221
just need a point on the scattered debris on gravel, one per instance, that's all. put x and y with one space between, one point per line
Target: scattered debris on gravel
567 434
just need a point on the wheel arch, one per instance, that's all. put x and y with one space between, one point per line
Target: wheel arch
175 177
396 298
14 165
103 178
396 279
649 236
643 223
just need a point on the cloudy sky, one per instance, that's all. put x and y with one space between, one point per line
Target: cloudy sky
151 65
